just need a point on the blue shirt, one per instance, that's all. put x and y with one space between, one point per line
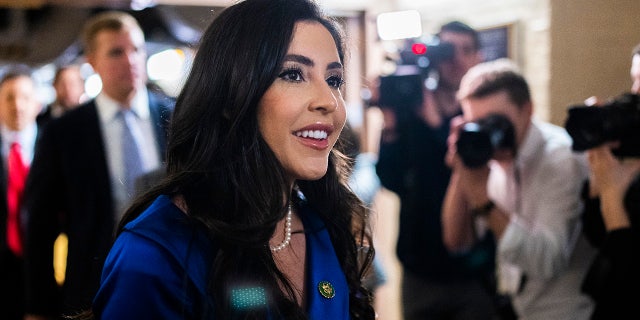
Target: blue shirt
158 269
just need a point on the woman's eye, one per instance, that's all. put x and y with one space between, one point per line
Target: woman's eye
335 81
293 75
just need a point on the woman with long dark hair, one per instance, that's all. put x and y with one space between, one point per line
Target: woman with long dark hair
254 218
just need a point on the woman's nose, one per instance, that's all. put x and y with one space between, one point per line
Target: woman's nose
326 97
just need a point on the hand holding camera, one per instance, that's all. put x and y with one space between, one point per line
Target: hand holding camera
472 145
611 180
480 141
616 120
609 133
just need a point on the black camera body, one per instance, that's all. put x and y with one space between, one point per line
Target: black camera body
401 92
617 120
478 141
403 89
427 55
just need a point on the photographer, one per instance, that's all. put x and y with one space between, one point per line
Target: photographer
615 273
527 196
435 284
612 197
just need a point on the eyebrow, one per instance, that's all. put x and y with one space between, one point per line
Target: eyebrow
308 62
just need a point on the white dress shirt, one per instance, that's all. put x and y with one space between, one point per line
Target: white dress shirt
543 241
27 139
112 135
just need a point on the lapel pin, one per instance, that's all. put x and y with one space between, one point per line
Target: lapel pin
326 289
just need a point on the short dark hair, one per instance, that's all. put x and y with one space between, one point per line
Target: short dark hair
491 77
63 68
16 71
462 28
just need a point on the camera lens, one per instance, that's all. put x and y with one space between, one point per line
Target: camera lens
587 126
616 120
478 141
474 145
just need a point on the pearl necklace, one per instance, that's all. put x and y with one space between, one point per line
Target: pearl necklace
287 232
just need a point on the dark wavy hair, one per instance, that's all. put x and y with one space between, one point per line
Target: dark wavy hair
230 179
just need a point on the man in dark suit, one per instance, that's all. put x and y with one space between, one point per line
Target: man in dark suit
19 107
69 87
81 180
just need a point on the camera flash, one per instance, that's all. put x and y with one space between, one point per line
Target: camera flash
399 25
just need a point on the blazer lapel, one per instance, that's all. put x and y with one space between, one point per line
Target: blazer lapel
160 108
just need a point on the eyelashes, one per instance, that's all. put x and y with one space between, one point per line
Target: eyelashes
295 75
292 74
335 81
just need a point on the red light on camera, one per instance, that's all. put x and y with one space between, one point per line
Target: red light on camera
419 48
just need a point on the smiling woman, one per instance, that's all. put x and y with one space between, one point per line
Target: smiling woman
254 219
301 115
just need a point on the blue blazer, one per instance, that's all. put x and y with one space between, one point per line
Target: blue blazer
69 190
158 269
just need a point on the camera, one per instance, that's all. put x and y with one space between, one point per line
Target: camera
403 89
426 55
617 120
478 141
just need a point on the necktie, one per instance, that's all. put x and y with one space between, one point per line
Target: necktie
132 159
15 188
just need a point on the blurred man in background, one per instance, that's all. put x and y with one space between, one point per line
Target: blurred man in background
435 284
612 211
19 107
69 87
85 167
527 194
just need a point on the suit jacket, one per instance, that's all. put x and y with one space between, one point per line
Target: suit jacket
46 116
11 276
69 190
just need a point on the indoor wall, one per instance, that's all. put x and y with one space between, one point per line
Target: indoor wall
567 49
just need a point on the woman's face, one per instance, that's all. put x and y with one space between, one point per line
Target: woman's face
302 113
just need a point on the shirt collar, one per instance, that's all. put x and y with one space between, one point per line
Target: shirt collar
108 107
529 149
24 137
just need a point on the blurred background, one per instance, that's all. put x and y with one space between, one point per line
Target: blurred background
568 49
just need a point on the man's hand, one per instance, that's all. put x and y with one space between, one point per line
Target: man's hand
473 181
451 158
610 178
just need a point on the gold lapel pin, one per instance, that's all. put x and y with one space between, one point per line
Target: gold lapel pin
326 289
